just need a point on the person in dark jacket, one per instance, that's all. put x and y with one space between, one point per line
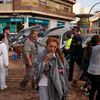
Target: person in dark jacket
76 52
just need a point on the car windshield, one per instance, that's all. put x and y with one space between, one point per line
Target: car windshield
26 32
84 38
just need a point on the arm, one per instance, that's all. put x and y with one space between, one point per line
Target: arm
29 59
5 55
27 50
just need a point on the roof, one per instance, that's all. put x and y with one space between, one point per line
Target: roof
59 31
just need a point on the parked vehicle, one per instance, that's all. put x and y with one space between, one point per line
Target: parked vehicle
23 34
86 38
60 33
12 36
47 32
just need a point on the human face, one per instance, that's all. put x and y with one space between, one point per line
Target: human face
52 47
7 32
34 36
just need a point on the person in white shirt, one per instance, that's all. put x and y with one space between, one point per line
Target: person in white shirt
94 68
3 62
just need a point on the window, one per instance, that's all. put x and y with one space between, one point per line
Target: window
43 2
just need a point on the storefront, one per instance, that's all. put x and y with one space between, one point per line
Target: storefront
35 21
60 23
15 24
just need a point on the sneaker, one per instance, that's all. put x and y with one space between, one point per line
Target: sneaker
4 87
82 88
87 93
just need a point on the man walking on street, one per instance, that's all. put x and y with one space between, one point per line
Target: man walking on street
30 52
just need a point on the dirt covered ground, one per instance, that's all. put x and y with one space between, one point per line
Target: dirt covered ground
16 72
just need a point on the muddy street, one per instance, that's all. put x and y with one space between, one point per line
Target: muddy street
13 92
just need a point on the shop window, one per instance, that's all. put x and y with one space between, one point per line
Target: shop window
20 26
67 9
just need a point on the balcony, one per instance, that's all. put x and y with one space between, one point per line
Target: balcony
5 8
37 10
45 11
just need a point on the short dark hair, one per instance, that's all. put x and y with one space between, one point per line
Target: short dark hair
32 31
95 39
1 36
76 28
69 35
6 28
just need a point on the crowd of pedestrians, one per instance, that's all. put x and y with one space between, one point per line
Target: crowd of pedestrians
50 70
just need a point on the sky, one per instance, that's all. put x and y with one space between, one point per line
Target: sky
90 3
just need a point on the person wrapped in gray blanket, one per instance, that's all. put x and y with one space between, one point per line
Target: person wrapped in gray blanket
51 72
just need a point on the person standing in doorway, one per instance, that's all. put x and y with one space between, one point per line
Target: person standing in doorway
29 54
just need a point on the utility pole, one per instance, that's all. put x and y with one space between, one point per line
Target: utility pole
13 8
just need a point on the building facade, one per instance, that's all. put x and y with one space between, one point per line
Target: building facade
95 23
96 26
20 14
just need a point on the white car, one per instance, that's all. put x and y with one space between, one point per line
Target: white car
58 33
86 38
24 33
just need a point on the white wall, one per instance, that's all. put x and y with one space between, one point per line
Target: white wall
52 23
26 23
76 8
67 24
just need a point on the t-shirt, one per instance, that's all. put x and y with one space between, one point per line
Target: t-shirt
94 67
31 48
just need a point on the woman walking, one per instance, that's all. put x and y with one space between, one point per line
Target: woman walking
51 71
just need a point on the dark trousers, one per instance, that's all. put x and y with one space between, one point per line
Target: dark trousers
28 77
95 86
71 68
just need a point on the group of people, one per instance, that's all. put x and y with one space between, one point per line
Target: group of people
85 62
49 69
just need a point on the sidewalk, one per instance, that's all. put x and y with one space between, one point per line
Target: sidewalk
16 72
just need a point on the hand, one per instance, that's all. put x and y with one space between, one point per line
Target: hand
6 66
48 57
61 70
30 65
